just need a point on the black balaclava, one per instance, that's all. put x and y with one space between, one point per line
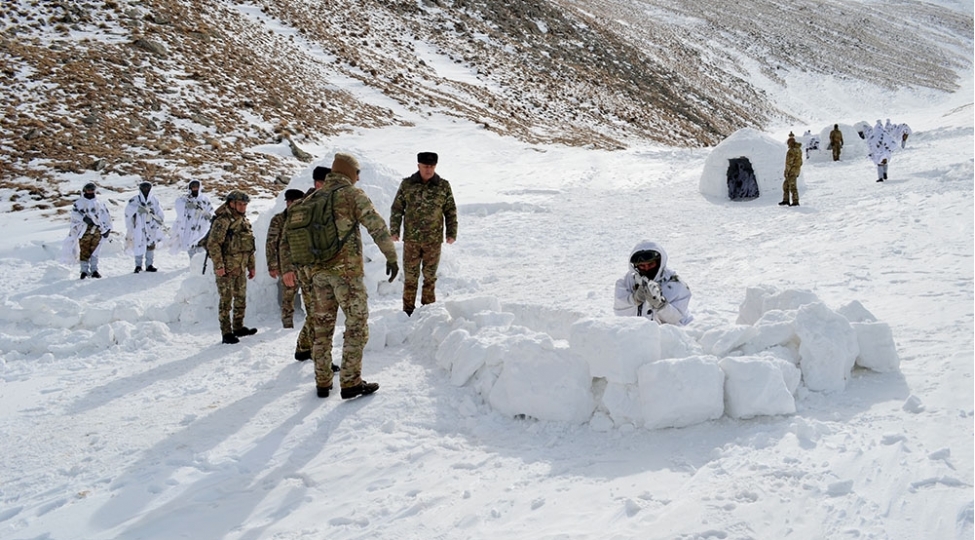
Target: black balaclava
145 187
644 257
194 189
89 191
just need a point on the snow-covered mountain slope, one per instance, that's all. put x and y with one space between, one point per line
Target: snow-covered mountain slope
170 89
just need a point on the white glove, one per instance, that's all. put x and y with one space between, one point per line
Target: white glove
639 295
655 298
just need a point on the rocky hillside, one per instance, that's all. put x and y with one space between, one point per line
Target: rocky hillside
173 89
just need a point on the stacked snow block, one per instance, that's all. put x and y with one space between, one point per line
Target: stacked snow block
614 372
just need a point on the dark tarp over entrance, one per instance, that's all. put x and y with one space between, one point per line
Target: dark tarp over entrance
742 185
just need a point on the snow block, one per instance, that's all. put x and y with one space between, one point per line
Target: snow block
377 335
543 383
788 300
827 347
755 386
877 349
676 343
484 319
96 317
775 327
622 402
856 312
432 324
463 354
790 372
54 311
467 308
753 306
615 347
720 341
760 300
681 392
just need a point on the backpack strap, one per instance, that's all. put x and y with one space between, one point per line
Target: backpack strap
342 240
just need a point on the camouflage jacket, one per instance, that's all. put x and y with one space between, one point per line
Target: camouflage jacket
352 207
836 138
423 209
231 241
274 234
793 160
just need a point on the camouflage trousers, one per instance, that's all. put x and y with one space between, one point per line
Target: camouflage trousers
836 152
87 244
331 292
286 298
306 336
789 186
415 257
232 288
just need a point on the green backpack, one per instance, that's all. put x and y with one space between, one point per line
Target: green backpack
310 226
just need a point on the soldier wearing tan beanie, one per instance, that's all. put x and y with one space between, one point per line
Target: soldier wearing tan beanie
338 282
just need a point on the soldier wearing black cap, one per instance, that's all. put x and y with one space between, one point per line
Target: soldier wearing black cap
286 295
424 207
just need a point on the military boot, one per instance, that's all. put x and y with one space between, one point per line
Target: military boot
362 389
230 339
784 203
244 331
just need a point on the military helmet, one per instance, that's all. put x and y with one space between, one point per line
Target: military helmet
236 195
88 187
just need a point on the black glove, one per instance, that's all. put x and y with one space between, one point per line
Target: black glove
391 270
88 221
105 234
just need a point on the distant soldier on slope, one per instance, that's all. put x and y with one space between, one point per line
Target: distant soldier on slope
793 164
90 224
881 146
836 141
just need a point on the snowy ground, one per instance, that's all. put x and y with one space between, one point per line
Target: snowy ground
124 417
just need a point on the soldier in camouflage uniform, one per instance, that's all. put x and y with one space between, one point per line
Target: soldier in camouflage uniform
793 163
231 246
423 205
836 141
286 295
306 338
338 282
